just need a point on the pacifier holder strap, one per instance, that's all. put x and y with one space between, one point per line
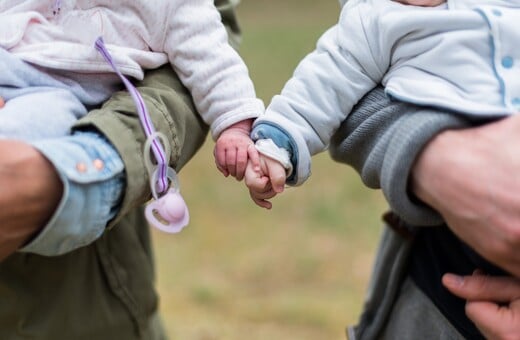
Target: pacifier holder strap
167 211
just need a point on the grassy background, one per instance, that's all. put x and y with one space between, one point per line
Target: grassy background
298 271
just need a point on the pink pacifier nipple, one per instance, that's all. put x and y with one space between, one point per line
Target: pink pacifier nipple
173 208
168 213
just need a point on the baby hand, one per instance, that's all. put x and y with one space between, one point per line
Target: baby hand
265 183
233 149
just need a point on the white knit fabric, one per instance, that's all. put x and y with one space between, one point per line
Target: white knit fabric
140 34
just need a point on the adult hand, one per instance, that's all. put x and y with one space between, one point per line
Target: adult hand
493 303
471 177
30 191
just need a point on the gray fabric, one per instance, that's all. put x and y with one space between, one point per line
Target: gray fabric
415 317
381 139
395 308
387 275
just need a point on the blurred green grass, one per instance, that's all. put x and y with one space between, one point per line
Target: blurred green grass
298 271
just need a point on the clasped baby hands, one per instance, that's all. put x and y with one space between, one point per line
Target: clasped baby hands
266 181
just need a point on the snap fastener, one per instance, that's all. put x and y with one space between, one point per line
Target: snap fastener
98 164
507 62
81 167
497 12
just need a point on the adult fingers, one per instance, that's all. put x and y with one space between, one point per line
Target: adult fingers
483 287
494 321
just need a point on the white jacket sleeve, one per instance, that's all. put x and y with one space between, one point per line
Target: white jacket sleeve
324 87
197 46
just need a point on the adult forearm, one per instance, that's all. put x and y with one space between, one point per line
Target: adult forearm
470 177
381 139
434 167
30 191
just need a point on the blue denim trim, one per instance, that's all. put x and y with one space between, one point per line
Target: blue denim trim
281 139
91 195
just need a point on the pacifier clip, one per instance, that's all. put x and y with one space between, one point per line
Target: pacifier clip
167 211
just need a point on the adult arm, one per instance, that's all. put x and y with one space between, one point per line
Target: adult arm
454 167
470 177
30 191
381 140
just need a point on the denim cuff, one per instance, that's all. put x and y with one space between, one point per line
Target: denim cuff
282 139
93 179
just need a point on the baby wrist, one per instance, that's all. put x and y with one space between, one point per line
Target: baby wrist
269 149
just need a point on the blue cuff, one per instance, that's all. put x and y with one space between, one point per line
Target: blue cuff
93 179
281 139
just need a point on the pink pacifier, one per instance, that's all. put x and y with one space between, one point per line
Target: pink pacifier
169 212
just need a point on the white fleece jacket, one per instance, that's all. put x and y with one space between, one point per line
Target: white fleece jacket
140 34
461 56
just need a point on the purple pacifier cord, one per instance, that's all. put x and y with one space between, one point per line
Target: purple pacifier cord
144 117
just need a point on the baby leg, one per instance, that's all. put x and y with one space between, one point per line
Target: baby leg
43 112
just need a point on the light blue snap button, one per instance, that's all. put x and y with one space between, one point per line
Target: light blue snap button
507 62
516 102
496 12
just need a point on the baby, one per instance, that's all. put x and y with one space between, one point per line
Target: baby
52 74
459 55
